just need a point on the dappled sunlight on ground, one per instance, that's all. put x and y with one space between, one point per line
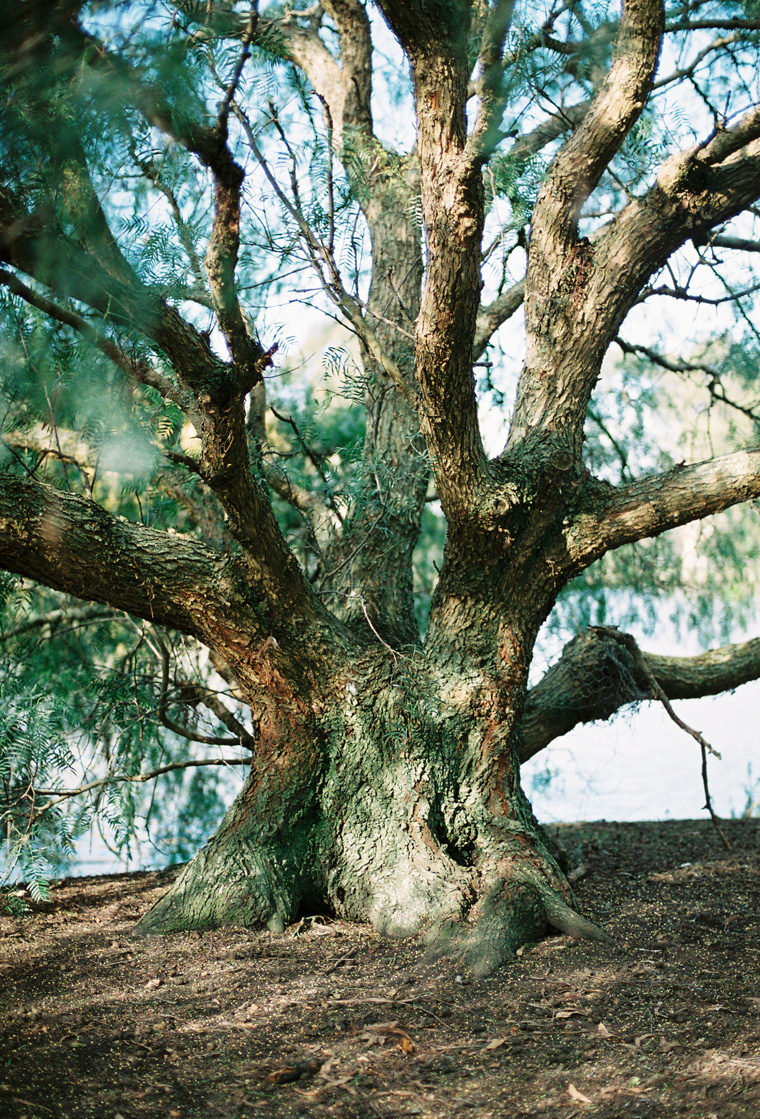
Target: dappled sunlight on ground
331 1020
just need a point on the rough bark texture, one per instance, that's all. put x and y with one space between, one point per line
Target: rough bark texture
389 807
385 778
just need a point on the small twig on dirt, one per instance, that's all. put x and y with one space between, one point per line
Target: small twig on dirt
373 999
339 963
429 1013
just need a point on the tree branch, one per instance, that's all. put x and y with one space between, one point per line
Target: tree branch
491 85
493 316
71 617
328 273
209 145
242 736
549 130
612 114
435 37
696 190
714 376
32 242
599 672
58 797
712 25
565 339
73 545
344 86
723 241
617 516
138 371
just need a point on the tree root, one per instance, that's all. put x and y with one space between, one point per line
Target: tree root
508 915
562 917
250 891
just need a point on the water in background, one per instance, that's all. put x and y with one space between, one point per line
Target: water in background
638 766
641 766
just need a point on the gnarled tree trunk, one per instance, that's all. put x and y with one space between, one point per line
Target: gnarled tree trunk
397 803
384 783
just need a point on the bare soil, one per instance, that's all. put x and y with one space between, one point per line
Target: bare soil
330 1020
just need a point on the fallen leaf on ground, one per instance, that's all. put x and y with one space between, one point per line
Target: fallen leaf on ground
576 1095
390 1029
495 1043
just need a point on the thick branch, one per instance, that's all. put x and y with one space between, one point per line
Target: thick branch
354 108
602 670
564 342
435 38
73 545
594 677
209 144
571 325
652 505
31 242
695 191
718 670
613 112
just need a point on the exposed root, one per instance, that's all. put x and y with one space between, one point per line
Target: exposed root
247 892
504 918
509 914
562 917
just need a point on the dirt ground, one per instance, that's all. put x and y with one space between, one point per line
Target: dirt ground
330 1020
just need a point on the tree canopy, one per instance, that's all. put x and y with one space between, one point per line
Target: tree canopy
344 347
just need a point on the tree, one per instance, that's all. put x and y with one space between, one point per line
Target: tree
165 172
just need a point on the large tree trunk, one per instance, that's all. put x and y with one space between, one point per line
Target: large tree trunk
397 803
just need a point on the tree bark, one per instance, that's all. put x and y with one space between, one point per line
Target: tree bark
384 784
389 805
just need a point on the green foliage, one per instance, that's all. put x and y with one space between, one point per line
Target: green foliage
81 696
79 709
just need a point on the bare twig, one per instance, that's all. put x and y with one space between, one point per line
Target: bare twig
241 739
321 259
136 778
704 745
390 648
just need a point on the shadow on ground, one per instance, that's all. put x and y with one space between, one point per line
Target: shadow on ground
329 1020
